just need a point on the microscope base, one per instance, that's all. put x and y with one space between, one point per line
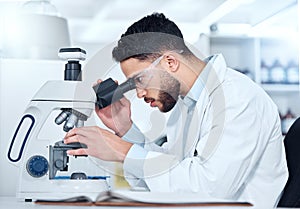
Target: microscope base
61 189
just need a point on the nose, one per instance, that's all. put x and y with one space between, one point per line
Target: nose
140 92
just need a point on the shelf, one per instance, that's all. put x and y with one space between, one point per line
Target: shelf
239 52
282 88
246 53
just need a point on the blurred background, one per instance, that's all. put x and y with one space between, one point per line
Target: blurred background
259 38
94 23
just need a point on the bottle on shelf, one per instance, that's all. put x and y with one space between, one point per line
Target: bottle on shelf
277 73
287 121
292 72
265 72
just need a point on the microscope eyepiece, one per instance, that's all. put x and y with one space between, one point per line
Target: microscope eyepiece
73 67
108 91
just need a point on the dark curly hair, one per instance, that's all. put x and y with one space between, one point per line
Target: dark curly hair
148 38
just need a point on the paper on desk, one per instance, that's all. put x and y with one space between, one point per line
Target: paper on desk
163 197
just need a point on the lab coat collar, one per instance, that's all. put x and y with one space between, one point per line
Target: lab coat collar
214 73
210 78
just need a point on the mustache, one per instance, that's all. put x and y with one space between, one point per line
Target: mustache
148 99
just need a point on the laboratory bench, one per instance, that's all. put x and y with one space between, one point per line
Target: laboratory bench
7 202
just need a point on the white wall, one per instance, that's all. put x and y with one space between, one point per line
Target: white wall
19 80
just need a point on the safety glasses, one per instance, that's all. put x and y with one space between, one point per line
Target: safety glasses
143 78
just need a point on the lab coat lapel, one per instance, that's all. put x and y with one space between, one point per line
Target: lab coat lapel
178 146
214 80
184 146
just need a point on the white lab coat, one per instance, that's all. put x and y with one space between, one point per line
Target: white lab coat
235 130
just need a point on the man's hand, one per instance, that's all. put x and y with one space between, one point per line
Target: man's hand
100 143
116 116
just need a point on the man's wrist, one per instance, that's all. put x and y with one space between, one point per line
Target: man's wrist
124 150
122 132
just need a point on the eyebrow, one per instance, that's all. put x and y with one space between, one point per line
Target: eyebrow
154 63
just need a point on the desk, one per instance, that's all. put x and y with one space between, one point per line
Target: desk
13 203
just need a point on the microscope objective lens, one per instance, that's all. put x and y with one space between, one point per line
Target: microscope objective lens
70 123
61 117
80 123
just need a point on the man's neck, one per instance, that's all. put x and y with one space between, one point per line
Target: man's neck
191 69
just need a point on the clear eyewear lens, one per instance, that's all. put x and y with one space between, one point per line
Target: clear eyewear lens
143 79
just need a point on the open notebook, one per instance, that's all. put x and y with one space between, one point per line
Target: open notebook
143 198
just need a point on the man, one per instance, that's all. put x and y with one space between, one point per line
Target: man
223 136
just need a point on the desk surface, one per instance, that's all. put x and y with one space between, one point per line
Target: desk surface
14 203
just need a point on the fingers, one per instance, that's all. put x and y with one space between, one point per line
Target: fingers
98 81
124 101
79 134
83 131
71 133
80 151
74 139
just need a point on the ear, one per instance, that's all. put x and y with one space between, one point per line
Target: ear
172 62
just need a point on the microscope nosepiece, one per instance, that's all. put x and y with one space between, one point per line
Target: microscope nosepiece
71 122
71 117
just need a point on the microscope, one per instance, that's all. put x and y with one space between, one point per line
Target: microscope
46 171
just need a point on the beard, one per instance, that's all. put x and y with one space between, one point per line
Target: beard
169 92
167 101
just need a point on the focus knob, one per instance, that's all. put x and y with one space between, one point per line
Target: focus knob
59 164
37 166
